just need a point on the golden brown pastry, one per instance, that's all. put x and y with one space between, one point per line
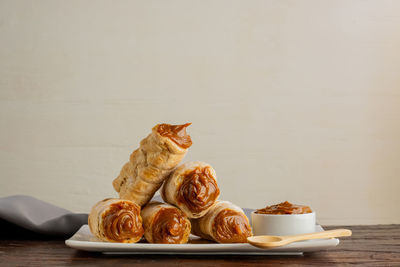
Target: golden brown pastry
223 223
116 220
159 153
165 224
192 187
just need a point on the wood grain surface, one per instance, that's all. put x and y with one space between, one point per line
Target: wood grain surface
375 245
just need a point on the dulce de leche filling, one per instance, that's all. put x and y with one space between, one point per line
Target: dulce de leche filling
122 221
169 226
285 208
199 189
177 133
231 226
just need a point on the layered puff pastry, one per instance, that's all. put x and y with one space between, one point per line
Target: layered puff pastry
165 224
116 220
223 223
159 153
192 187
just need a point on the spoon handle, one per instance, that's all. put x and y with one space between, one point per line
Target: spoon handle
320 235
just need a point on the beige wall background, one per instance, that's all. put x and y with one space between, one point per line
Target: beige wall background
289 100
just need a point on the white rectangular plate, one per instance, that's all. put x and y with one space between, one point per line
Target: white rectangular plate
84 240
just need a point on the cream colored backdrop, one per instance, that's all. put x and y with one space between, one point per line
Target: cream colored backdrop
289 100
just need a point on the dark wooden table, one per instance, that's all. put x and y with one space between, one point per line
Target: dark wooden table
376 245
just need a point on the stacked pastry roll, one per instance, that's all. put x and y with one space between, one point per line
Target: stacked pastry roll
192 187
159 153
164 223
116 220
223 223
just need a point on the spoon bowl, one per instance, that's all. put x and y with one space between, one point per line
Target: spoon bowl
266 238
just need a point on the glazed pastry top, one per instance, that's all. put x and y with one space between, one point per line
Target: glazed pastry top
177 133
231 226
122 221
199 189
169 226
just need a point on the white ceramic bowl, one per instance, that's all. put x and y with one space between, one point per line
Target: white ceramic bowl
283 224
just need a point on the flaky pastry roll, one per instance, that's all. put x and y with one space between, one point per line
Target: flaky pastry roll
159 153
165 224
116 220
192 187
223 223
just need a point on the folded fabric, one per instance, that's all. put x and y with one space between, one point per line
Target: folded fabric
39 216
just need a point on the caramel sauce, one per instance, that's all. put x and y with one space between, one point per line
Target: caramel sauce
285 208
199 189
177 133
122 221
169 226
231 226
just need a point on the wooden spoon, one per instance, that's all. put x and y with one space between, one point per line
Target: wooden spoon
270 241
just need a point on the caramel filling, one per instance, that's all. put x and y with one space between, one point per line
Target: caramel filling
199 190
122 221
177 133
285 208
231 226
169 226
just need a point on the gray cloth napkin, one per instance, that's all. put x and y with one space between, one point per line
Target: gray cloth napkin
39 216
44 218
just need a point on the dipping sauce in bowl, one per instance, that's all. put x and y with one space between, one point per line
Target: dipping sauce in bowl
285 208
283 219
